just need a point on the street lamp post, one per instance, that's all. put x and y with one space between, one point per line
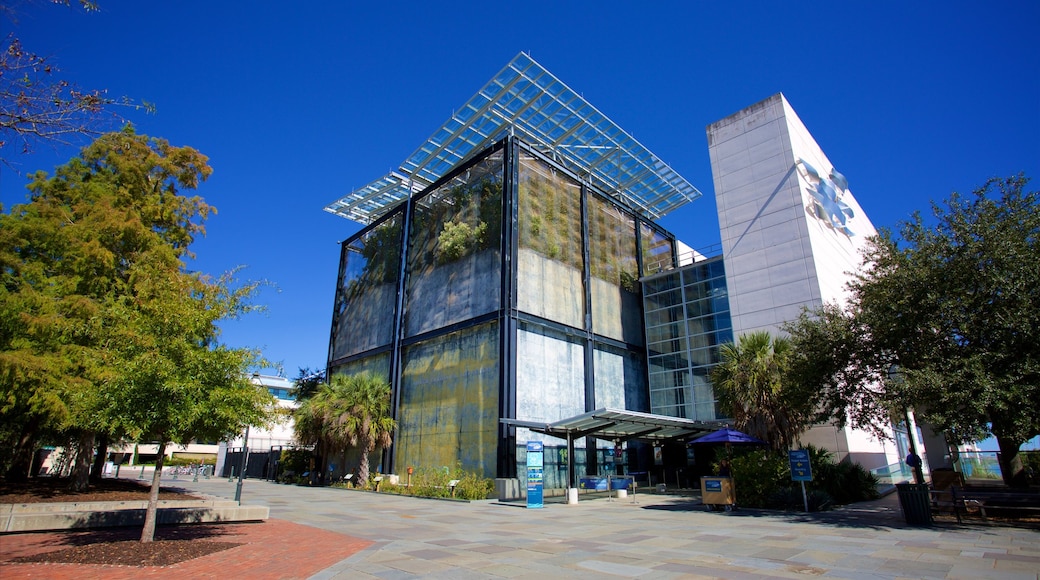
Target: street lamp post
894 374
242 466
918 471
245 452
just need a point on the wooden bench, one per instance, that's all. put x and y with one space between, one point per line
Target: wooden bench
960 501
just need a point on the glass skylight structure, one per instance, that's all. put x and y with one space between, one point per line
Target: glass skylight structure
527 101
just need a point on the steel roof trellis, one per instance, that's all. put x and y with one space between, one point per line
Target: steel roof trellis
526 100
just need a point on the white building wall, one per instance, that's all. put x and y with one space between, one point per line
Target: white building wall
782 254
779 256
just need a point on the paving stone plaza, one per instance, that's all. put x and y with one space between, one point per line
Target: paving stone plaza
642 536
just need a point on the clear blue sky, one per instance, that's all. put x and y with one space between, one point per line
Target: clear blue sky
296 104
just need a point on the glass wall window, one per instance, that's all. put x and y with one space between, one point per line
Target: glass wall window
366 294
614 272
550 385
620 379
378 365
550 381
550 263
454 258
449 402
687 319
657 250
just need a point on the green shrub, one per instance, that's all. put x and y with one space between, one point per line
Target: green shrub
292 464
757 476
434 482
459 239
763 479
846 482
472 487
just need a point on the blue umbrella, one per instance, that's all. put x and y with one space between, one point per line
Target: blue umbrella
728 436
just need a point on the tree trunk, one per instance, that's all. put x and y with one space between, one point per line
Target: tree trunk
84 457
22 459
363 467
148 533
98 470
1011 468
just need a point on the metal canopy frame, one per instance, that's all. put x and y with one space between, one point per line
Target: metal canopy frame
526 100
618 425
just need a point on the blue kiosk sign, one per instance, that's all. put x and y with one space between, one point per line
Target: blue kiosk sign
535 463
800 468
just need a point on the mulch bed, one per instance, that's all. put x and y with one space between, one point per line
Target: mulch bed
121 546
56 489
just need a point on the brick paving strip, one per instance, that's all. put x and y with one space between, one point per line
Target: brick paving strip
274 549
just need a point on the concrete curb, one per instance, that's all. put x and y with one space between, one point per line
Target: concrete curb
84 515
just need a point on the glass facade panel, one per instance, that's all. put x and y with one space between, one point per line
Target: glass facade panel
366 294
454 258
687 318
550 264
550 376
554 461
614 272
658 253
449 402
378 365
620 379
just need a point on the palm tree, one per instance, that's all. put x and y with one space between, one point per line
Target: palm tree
313 424
752 386
365 420
350 411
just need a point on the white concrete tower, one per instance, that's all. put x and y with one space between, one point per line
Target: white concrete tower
791 229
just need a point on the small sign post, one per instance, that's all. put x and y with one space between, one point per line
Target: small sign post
535 465
801 470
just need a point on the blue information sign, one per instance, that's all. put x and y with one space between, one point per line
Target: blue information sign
535 461
800 468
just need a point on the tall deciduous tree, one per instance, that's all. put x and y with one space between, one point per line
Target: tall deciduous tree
752 386
67 257
177 384
834 367
957 304
108 331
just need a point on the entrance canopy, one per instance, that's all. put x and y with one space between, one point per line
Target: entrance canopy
617 425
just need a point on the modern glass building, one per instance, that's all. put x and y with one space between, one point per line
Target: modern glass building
499 277
511 278
509 289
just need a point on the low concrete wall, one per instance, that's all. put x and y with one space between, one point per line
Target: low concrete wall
509 489
35 517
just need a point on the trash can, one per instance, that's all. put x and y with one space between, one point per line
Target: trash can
916 502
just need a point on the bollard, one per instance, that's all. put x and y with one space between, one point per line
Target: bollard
141 476
232 476
196 478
